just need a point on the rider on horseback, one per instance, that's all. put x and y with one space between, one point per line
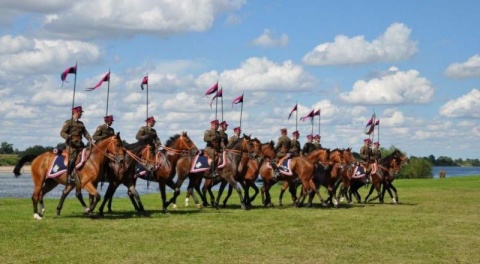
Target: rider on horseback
282 147
104 130
366 156
376 155
213 139
295 146
235 137
72 131
149 134
309 147
316 141
223 134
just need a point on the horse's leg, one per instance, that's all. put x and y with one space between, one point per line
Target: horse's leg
197 187
223 184
65 193
282 191
229 193
48 185
369 193
161 186
395 199
108 197
234 184
90 188
255 188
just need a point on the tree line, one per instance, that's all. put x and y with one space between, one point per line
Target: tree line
417 167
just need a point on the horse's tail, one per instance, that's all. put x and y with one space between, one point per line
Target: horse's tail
21 162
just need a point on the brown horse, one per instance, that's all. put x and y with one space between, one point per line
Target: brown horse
159 168
227 174
302 170
320 160
388 167
248 174
109 150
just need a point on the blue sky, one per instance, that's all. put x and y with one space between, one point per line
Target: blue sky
416 64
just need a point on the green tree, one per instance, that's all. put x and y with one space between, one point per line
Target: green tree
416 168
36 150
6 148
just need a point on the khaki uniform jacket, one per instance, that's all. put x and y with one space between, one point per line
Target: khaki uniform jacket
149 134
366 153
224 139
76 129
283 146
232 140
295 147
376 154
102 132
317 145
212 138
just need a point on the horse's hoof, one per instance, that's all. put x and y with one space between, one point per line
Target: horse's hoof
37 217
395 201
199 206
174 206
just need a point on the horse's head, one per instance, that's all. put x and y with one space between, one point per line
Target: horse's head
113 148
399 157
181 142
319 155
244 144
268 150
348 156
336 157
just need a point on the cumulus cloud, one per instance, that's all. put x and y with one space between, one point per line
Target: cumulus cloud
261 74
394 87
19 55
467 105
470 68
110 18
393 45
268 40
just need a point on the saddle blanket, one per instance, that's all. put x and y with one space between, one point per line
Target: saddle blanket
284 168
358 172
59 165
200 163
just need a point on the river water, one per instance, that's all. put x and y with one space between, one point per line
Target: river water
22 186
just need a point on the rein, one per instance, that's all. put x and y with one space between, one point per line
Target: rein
109 156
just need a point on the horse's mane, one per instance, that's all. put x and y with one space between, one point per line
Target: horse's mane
137 146
172 139
388 159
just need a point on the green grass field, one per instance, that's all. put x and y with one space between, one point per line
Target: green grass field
437 221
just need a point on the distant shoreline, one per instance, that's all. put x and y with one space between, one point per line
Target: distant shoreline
9 169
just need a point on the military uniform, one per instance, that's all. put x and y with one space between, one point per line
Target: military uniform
283 146
223 139
308 148
213 139
102 132
317 145
366 153
232 140
148 134
376 154
295 147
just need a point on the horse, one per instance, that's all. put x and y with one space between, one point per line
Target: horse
109 150
388 167
320 160
301 170
159 168
248 174
227 174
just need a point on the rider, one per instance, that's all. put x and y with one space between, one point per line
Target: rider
281 148
72 131
223 134
213 139
148 134
376 155
235 137
295 146
104 130
316 141
309 147
366 155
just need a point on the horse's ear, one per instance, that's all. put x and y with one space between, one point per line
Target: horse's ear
118 134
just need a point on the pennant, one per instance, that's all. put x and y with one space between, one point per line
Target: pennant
369 127
64 74
212 90
377 122
310 115
237 100
105 78
144 82
317 113
218 94
291 112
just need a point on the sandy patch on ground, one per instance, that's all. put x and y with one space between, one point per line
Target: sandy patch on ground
9 169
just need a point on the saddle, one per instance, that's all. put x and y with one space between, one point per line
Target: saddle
60 162
200 162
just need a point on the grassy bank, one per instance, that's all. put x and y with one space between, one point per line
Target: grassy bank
437 221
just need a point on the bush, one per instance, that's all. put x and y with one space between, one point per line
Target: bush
416 168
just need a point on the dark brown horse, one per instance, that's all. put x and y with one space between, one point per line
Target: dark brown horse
388 167
227 174
109 150
159 168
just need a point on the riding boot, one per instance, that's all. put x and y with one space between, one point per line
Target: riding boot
71 172
213 172
276 170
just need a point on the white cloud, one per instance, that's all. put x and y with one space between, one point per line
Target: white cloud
40 56
267 40
467 105
394 87
393 45
470 68
110 18
260 74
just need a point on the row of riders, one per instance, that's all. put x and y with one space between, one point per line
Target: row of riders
227 160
